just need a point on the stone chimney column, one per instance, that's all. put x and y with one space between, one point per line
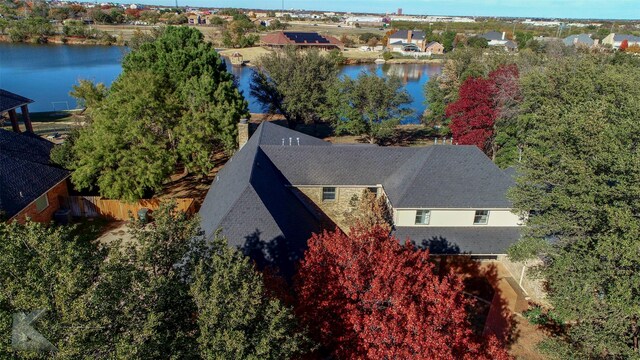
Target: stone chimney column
409 36
504 35
243 132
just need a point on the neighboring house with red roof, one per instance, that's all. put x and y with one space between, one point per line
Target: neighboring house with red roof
299 39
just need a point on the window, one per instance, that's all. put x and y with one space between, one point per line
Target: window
42 203
423 217
481 218
373 190
328 193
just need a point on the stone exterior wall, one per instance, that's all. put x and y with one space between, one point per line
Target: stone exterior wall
54 196
534 288
332 212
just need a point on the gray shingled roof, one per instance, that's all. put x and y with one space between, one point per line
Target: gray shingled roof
583 39
251 203
444 176
403 34
493 35
623 37
9 100
460 240
251 200
25 170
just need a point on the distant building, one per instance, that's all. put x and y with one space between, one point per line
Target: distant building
616 40
435 48
368 20
584 40
281 39
500 39
399 11
400 40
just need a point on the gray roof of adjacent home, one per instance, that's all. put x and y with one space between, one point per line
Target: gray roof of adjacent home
623 37
25 170
251 199
479 240
583 39
403 34
493 35
9 100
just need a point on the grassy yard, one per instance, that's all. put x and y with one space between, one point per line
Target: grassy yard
50 122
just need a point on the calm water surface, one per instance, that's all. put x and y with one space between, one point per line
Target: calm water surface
45 73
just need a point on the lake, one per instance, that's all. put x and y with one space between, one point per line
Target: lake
45 73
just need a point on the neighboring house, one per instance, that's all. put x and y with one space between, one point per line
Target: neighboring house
499 39
30 185
280 39
435 47
282 186
402 39
615 40
583 40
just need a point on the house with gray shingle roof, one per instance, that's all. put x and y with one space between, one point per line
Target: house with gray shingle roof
579 40
616 40
404 38
30 185
282 186
496 38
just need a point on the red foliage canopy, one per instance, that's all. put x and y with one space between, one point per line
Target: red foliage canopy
624 45
481 102
365 296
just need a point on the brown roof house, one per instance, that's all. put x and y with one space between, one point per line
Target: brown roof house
299 39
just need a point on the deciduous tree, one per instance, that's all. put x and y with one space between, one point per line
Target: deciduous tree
294 83
365 296
370 106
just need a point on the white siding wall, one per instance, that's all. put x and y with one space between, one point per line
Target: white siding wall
463 217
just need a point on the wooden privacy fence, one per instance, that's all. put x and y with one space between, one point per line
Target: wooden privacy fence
96 206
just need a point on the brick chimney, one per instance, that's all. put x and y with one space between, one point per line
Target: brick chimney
409 36
243 132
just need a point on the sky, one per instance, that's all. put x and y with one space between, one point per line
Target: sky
595 9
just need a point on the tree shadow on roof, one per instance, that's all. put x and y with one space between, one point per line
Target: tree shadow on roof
278 254
438 245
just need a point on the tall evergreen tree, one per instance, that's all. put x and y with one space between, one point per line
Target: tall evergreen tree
174 103
580 183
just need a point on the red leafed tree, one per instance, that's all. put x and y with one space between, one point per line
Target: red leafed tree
473 115
482 104
365 296
624 45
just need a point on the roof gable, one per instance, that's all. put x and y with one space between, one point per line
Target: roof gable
9 100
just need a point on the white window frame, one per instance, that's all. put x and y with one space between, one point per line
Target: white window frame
335 193
477 216
46 200
424 216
